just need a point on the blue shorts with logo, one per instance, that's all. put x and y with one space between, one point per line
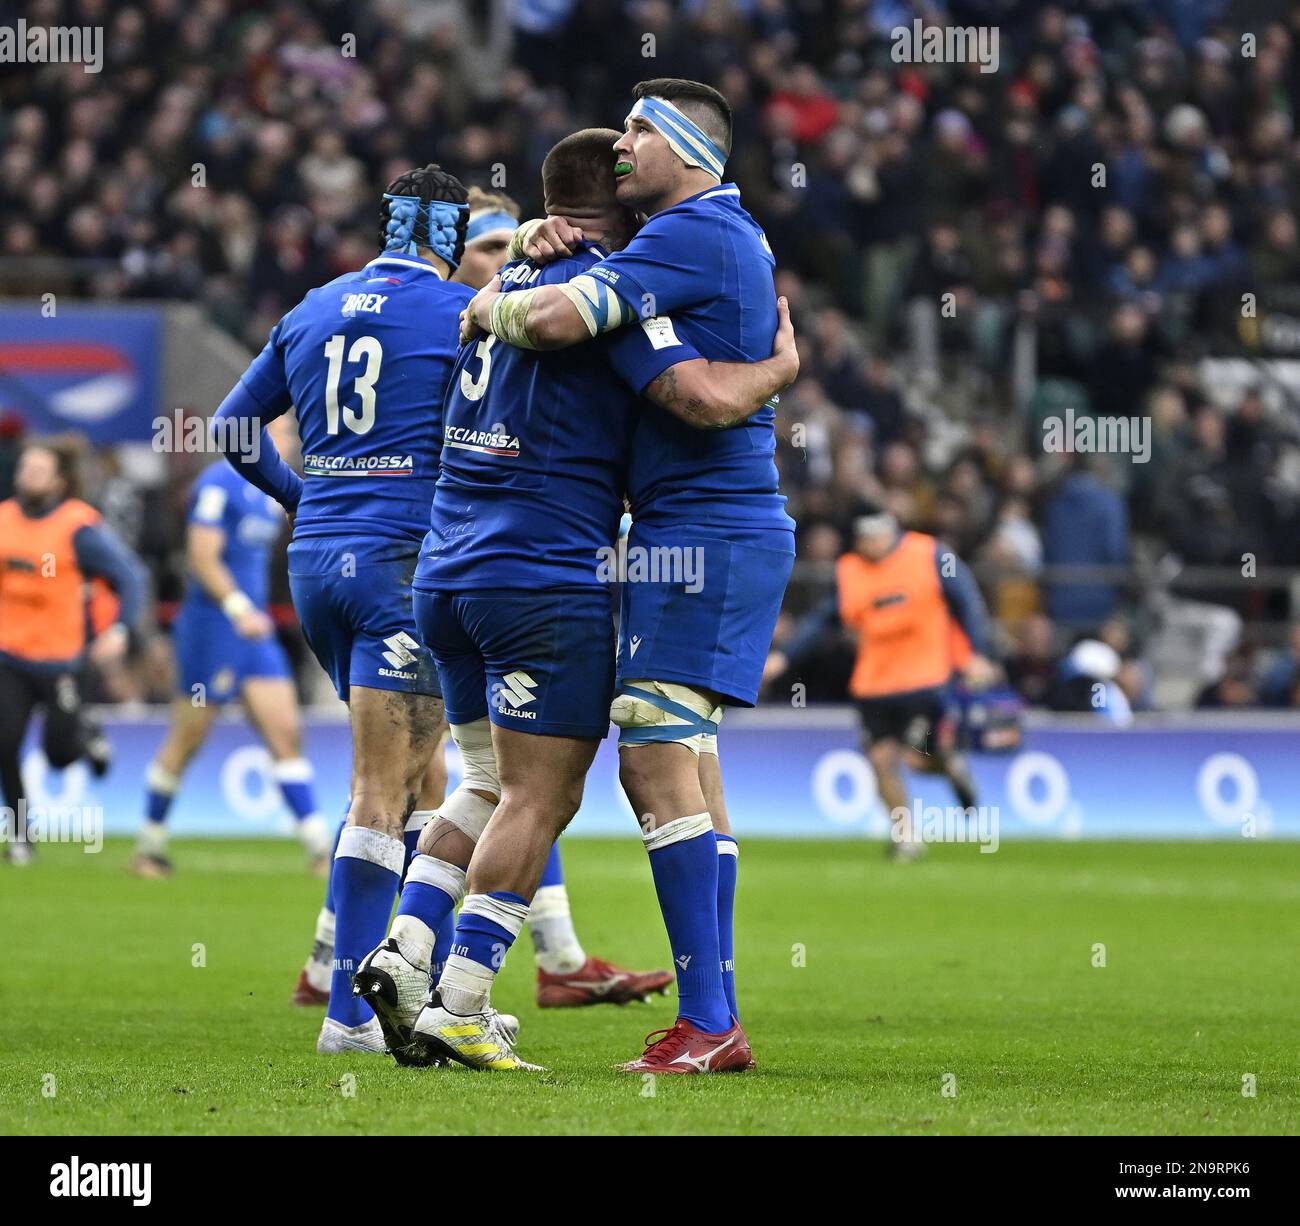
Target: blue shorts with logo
353 597
699 606
211 654
538 662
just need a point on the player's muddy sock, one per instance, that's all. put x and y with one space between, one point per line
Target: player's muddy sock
411 837
487 927
320 963
367 866
441 950
429 895
684 861
161 787
555 943
728 865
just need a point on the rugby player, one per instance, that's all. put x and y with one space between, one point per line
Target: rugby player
511 602
226 648
699 273
567 976
51 545
363 358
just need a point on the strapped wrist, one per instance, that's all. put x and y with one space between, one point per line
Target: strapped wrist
521 236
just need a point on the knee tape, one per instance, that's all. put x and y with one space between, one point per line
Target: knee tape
664 712
468 813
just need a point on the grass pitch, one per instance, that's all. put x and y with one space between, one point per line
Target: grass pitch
957 995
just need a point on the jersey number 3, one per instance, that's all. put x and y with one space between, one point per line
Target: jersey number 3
473 389
364 349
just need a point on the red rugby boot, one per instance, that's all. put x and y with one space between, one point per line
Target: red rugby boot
306 996
597 982
684 1049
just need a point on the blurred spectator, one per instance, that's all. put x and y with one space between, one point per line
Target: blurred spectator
1085 524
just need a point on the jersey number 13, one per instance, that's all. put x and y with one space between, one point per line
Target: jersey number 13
364 349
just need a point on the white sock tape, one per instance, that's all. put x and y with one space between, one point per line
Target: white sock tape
362 843
678 831
429 870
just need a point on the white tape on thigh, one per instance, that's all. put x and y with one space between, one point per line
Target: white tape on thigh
632 712
467 812
474 741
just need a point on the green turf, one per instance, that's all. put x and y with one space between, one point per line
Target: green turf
979 966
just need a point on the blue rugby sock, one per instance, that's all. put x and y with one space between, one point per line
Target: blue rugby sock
429 896
485 931
728 863
553 873
297 784
367 866
161 787
334 851
441 948
684 862
411 836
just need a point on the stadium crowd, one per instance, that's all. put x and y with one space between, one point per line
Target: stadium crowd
1101 203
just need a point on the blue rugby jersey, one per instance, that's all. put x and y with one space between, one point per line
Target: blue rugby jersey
535 444
705 264
251 520
365 359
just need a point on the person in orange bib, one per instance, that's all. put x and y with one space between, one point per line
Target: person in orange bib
52 545
919 618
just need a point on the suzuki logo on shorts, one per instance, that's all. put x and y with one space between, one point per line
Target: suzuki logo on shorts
403 649
516 689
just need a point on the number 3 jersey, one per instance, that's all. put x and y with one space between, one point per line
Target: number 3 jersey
365 359
535 450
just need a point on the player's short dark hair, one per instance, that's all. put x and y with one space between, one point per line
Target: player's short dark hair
429 182
699 102
579 171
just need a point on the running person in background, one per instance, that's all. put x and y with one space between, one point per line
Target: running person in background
699 272
366 360
51 545
512 603
226 649
918 616
567 976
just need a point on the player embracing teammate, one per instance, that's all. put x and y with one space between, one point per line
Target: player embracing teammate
696 279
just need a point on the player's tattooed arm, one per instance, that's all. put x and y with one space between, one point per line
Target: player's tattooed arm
715 395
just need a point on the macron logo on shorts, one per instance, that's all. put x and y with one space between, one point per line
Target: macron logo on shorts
517 691
401 654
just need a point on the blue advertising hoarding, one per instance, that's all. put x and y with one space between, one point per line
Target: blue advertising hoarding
793 774
95 371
